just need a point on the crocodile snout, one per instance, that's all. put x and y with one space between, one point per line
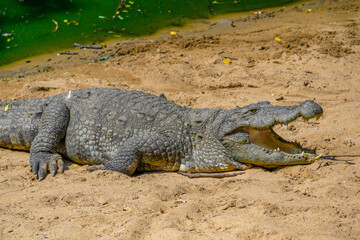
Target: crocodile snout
310 109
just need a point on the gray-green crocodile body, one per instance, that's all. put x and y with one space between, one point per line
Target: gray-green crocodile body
130 130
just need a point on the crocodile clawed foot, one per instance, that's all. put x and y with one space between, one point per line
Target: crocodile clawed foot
41 162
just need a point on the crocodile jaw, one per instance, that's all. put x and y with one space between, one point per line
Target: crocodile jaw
266 148
270 140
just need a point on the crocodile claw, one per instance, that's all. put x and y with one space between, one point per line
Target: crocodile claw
41 162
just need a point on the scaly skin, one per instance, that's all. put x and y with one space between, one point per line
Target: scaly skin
129 130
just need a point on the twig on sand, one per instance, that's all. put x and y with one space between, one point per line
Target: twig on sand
67 53
210 175
231 58
80 46
332 158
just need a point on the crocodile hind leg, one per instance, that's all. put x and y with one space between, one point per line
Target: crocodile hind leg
43 155
154 150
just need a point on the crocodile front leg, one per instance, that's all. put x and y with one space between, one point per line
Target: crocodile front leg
209 156
43 155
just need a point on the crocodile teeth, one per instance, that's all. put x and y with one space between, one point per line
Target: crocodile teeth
302 154
317 157
286 126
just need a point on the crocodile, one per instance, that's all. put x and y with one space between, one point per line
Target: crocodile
131 130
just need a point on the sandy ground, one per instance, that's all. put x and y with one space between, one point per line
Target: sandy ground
317 58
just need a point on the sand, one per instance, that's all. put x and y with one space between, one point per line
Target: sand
316 56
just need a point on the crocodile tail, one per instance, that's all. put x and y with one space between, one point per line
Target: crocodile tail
19 122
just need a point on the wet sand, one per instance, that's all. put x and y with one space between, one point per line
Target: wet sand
316 55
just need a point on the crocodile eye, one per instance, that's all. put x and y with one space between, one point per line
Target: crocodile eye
254 110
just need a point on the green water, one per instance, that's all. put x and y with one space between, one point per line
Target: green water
33 27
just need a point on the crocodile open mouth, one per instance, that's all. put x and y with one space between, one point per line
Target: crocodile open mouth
270 140
266 148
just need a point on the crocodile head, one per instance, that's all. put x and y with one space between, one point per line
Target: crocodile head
248 133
